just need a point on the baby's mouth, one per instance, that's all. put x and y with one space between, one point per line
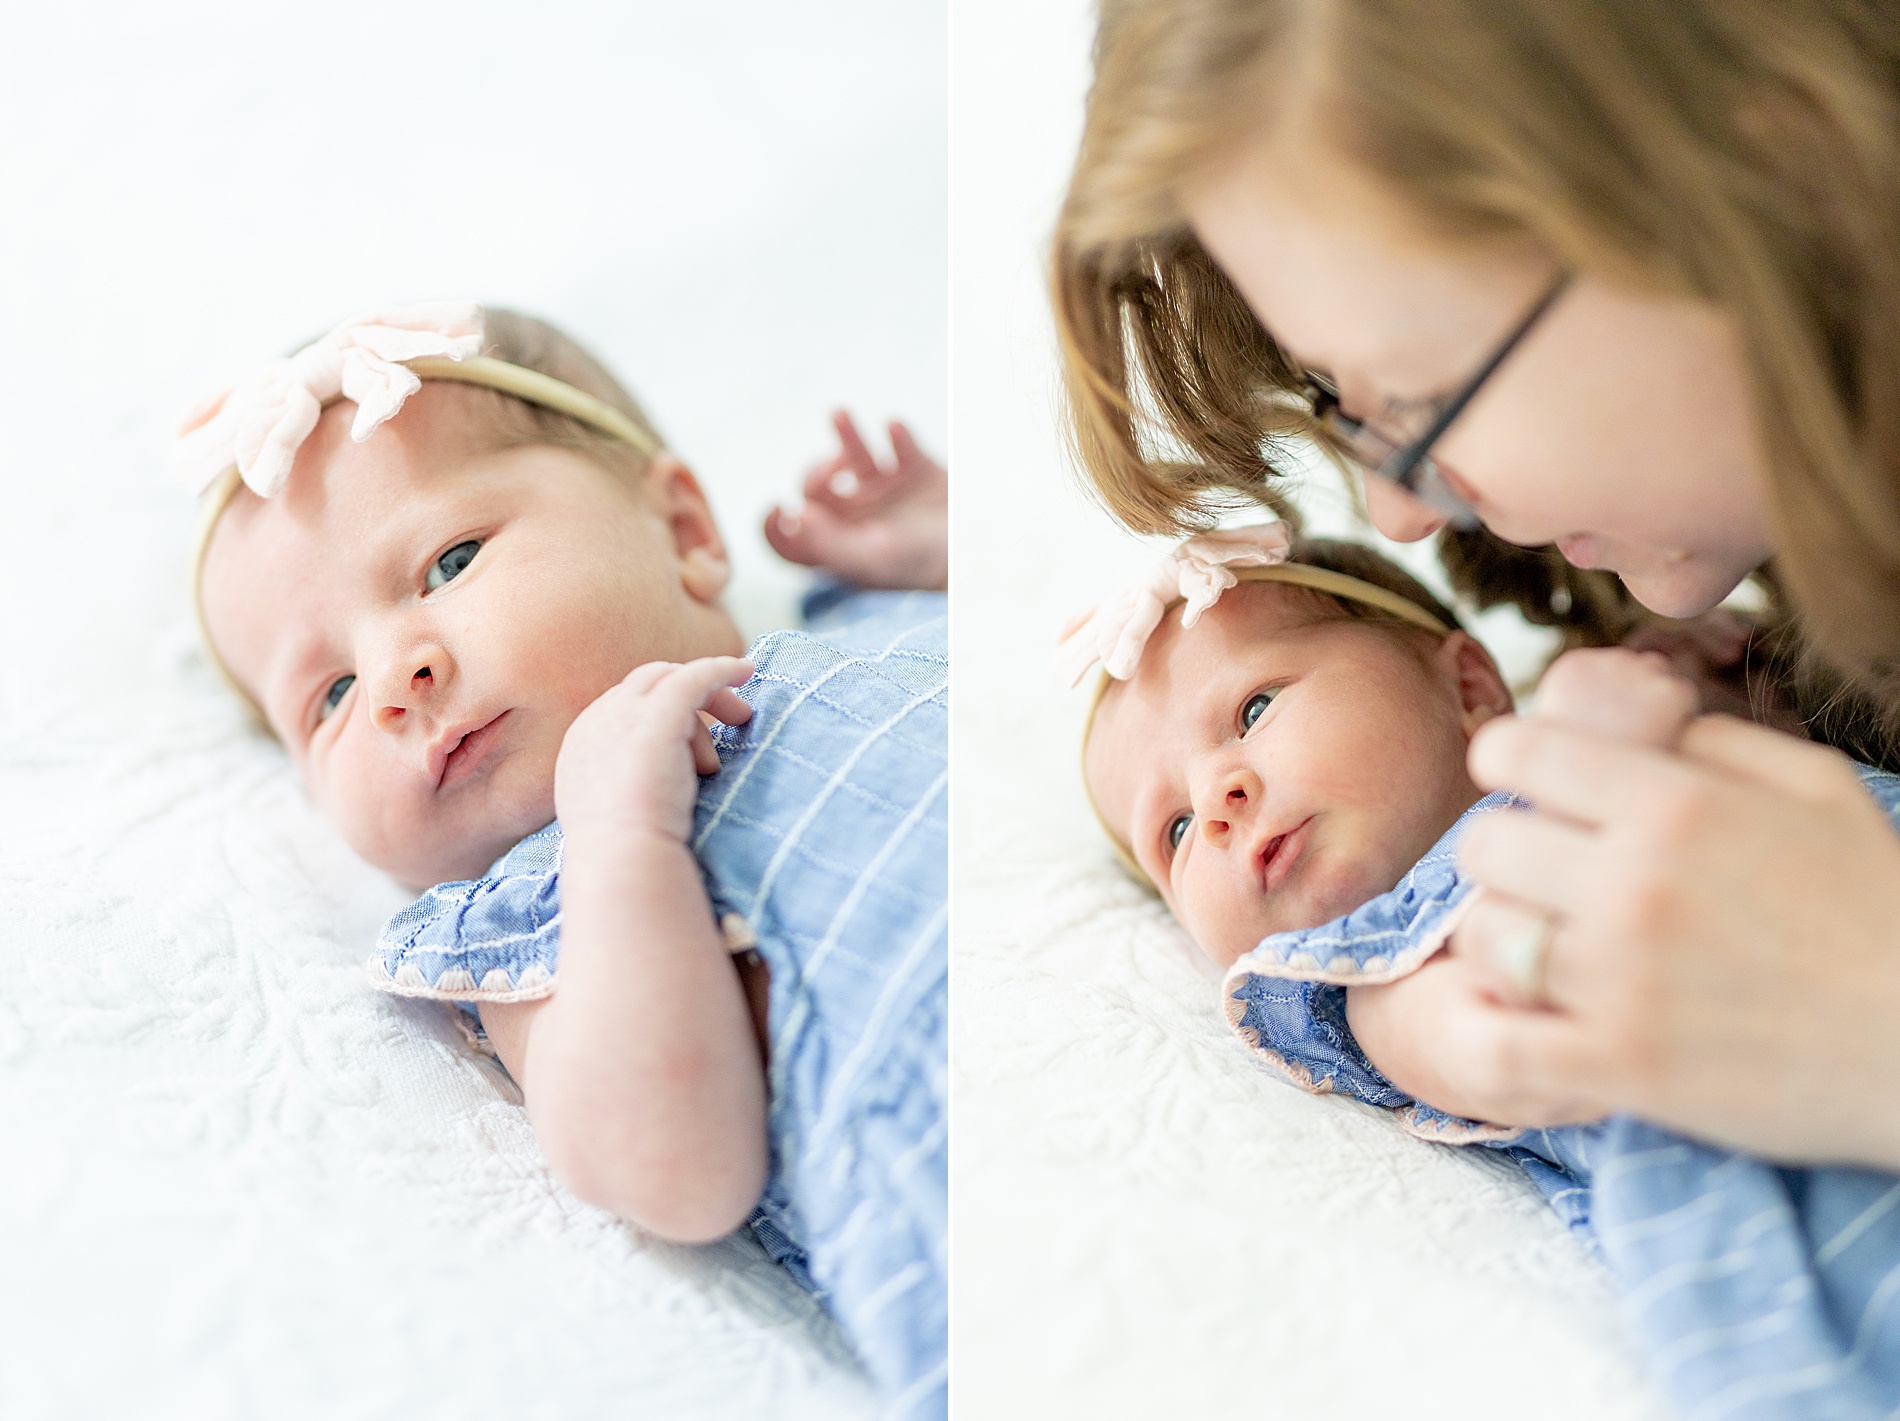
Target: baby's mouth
461 755
1278 855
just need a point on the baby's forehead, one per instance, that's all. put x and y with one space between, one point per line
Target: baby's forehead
1180 662
1250 614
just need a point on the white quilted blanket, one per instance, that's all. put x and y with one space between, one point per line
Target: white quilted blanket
237 1182
1146 1223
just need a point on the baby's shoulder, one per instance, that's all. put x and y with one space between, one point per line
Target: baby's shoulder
493 938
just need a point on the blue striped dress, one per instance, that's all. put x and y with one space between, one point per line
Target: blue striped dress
823 841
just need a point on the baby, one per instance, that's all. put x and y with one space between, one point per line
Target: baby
696 902
1285 763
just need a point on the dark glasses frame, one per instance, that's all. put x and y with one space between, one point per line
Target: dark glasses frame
1410 465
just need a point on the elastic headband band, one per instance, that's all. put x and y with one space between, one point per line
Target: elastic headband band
516 380
1319 579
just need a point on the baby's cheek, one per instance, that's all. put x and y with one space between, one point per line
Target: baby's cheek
1224 928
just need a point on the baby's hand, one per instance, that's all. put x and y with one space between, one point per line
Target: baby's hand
1621 694
628 762
877 525
1712 651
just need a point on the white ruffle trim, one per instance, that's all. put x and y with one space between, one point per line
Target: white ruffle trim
458 984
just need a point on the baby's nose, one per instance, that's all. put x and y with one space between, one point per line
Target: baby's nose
1234 794
390 717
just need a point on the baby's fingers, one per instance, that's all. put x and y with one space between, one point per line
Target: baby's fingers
912 462
725 705
853 452
705 756
709 677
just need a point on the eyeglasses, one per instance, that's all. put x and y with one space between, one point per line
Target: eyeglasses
1410 465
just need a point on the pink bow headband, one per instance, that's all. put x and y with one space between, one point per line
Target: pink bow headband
377 361
259 424
1197 571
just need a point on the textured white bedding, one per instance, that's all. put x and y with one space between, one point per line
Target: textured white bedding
235 1181
1146 1223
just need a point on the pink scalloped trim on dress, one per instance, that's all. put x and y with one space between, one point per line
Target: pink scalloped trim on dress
1343 971
459 985
1403 965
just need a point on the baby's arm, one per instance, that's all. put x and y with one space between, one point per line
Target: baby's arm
875 524
1401 1026
642 1073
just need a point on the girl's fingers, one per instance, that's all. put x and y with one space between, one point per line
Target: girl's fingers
1510 948
1544 862
1770 758
1572 773
1520 1063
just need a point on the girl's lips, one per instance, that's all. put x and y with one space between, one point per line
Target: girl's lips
1282 852
1581 549
468 754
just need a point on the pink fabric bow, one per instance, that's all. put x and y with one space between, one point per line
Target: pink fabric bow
1199 570
260 423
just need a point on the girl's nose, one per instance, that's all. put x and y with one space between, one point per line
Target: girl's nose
1397 514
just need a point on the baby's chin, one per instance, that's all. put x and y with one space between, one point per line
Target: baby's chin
453 853
1328 887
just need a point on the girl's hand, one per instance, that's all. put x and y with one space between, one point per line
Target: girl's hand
874 524
628 762
1727 952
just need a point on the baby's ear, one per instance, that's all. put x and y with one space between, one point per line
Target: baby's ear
676 497
1482 694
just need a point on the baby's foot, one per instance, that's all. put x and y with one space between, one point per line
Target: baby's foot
876 525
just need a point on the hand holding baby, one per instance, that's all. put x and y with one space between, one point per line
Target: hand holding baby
1635 697
630 761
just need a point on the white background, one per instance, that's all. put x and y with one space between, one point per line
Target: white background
234 1182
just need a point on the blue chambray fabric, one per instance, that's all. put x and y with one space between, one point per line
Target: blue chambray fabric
1755 1291
826 831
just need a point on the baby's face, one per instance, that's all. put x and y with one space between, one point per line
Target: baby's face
421 620
1272 771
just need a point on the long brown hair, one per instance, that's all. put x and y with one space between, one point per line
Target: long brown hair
1743 152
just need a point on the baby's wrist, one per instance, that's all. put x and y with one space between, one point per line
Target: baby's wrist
605 811
620 839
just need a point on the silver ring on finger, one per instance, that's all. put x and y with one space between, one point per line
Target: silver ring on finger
1521 954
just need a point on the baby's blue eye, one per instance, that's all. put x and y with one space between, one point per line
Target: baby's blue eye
450 565
1177 830
1255 707
333 697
